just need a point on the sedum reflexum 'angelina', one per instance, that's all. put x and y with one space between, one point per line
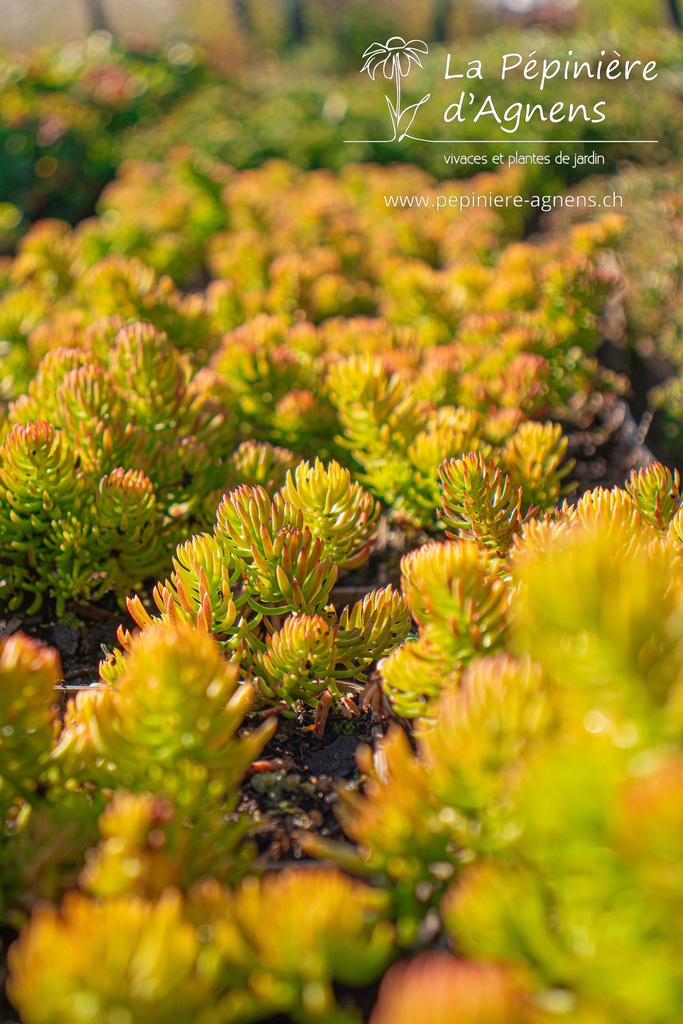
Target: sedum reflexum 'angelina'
283 564
274 373
480 501
402 836
547 785
459 593
656 493
42 497
206 959
341 513
148 844
28 674
260 464
262 584
312 654
110 457
460 605
47 826
274 963
125 960
419 819
170 723
440 989
404 445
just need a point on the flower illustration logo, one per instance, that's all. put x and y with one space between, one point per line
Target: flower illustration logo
395 58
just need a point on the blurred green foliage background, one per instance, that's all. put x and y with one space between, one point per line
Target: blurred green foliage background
246 80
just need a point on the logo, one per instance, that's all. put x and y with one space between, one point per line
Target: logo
488 116
396 58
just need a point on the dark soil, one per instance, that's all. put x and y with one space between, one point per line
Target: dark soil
295 787
82 637
606 443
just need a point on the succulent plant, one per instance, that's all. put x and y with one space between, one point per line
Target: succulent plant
28 674
313 654
47 826
406 447
260 464
285 968
41 486
287 347
479 501
403 837
501 711
96 493
301 365
536 459
336 510
597 595
169 724
460 605
274 375
421 819
125 959
261 586
147 846
207 958
655 492
435 986
280 560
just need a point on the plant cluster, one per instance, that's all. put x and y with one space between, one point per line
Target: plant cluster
107 462
462 592
400 440
261 585
166 740
537 823
132 406
206 956
310 247
159 872
535 827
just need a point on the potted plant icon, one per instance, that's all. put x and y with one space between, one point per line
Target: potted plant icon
395 58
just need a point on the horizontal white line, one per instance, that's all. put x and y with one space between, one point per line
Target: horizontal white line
510 142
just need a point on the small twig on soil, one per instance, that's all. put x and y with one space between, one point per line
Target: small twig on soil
274 765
